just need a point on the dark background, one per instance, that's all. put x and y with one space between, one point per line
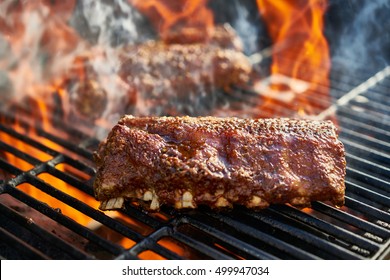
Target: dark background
358 32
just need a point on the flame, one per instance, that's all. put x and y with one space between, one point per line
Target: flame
176 16
40 43
300 49
46 125
18 14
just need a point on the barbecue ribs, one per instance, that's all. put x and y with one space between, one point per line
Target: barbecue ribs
187 73
173 79
185 162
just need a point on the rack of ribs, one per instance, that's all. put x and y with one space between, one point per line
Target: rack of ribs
187 73
182 79
184 162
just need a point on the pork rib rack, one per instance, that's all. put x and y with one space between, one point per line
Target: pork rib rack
188 161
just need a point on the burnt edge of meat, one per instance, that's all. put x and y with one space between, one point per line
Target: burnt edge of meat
186 161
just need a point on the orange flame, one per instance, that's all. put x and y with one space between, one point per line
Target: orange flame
300 49
56 33
46 125
173 16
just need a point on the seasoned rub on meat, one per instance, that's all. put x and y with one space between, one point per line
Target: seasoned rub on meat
185 162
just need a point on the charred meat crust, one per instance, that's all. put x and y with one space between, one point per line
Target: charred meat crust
219 162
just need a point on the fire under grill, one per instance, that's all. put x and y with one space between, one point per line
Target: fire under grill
33 228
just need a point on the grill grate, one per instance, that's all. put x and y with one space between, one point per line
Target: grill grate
33 229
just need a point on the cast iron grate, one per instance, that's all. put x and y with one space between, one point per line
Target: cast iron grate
33 229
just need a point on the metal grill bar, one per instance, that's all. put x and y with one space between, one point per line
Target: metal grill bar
285 248
356 91
224 235
46 236
330 229
368 179
9 242
366 142
351 220
320 245
65 221
369 194
368 209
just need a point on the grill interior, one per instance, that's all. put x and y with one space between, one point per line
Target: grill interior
32 229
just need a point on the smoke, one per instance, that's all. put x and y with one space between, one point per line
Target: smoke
110 23
6 87
360 35
41 42
247 31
